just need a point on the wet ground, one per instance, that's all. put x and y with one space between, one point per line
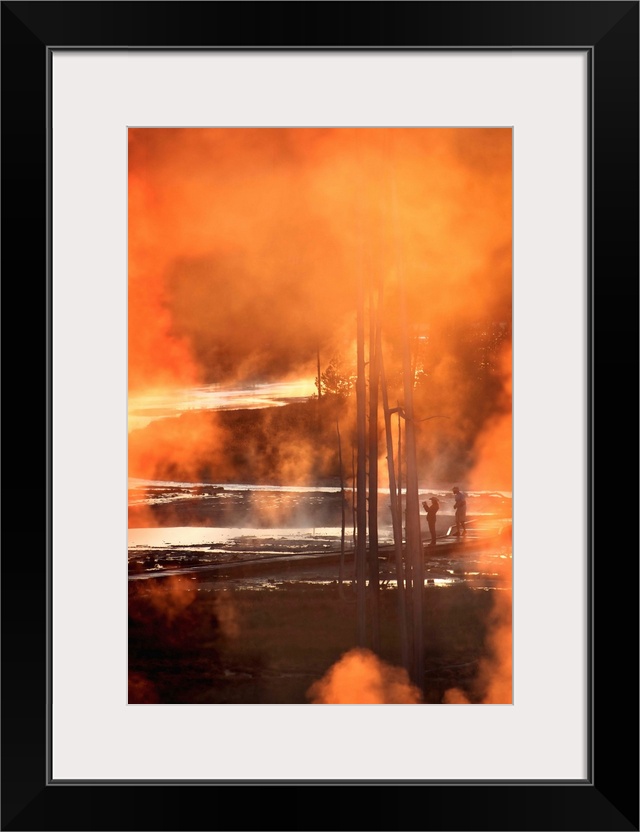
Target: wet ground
258 625
263 536
479 563
266 638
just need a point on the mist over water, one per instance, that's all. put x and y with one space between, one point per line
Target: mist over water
246 248
190 526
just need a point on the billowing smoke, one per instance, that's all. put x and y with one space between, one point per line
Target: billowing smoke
170 619
169 599
493 682
167 612
493 451
246 248
292 445
361 678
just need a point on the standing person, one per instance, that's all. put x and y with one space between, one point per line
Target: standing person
460 506
432 510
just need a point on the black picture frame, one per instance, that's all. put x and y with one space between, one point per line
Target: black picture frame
608 798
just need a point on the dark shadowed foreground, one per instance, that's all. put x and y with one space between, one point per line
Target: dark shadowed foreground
195 640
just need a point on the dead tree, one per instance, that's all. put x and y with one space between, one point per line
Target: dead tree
414 552
342 506
353 506
374 573
414 538
396 519
361 485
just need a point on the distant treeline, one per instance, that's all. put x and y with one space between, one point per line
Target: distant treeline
296 444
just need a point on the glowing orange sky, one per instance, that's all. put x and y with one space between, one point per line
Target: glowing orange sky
241 237
246 247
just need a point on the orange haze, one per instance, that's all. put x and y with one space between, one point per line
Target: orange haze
493 683
246 247
361 678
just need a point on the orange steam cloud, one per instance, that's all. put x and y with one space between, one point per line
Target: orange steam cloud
495 677
288 445
170 598
174 449
361 678
164 611
493 682
245 251
158 358
494 445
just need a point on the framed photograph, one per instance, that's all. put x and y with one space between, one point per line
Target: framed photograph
320 341
279 243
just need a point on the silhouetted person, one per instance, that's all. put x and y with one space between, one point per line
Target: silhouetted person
460 506
432 510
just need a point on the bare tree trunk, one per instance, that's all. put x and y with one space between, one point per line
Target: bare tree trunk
408 569
415 554
374 573
414 537
361 422
342 506
395 520
414 541
400 501
353 508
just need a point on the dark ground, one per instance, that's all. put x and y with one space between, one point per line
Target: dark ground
208 641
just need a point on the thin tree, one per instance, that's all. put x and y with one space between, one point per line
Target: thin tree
414 541
414 537
353 505
374 572
402 519
361 484
400 481
396 521
342 506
